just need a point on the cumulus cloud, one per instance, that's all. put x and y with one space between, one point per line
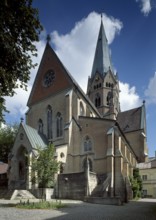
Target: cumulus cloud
76 49
17 104
128 97
145 6
150 92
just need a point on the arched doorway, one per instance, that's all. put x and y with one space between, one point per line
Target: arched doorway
22 164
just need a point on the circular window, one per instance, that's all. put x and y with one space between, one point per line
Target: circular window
48 78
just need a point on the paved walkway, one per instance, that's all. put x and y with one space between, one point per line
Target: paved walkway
77 210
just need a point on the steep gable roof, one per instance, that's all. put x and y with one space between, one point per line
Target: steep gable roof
130 120
32 135
35 138
66 80
61 81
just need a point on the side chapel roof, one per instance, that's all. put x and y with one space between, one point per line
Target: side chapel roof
35 138
132 120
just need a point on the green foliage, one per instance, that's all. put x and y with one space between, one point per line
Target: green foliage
46 166
41 205
2 107
136 183
7 137
19 29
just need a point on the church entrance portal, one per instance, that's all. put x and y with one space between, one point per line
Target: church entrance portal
22 166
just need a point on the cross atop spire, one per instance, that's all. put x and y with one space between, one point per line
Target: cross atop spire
48 38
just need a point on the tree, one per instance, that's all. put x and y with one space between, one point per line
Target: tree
19 29
7 137
45 166
136 183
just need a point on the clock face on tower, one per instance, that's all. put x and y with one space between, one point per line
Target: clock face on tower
49 78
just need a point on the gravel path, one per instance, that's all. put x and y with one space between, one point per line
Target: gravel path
141 210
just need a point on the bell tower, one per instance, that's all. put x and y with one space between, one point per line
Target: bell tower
103 85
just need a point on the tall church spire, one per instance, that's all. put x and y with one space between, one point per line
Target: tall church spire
102 60
103 85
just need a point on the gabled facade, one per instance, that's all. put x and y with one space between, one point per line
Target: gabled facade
133 125
147 172
93 148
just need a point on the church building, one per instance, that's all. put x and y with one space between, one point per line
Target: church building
97 145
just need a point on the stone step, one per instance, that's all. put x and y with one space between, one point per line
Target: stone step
101 189
22 194
16 194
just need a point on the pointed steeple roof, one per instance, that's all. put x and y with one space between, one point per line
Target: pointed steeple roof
102 60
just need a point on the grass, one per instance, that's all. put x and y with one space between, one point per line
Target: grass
40 205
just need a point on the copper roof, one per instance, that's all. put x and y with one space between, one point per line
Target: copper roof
35 138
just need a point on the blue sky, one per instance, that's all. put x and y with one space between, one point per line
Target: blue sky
130 27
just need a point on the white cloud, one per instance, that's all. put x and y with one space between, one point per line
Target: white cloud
128 97
76 49
145 6
150 92
17 104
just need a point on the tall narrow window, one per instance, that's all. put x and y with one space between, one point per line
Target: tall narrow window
87 144
40 126
97 100
49 122
59 125
109 98
81 109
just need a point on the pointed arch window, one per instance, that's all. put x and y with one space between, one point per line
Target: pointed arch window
81 109
40 126
49 122
97 100
59 125
87 144
109 97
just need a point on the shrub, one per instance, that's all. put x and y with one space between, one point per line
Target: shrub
136 184
41 205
